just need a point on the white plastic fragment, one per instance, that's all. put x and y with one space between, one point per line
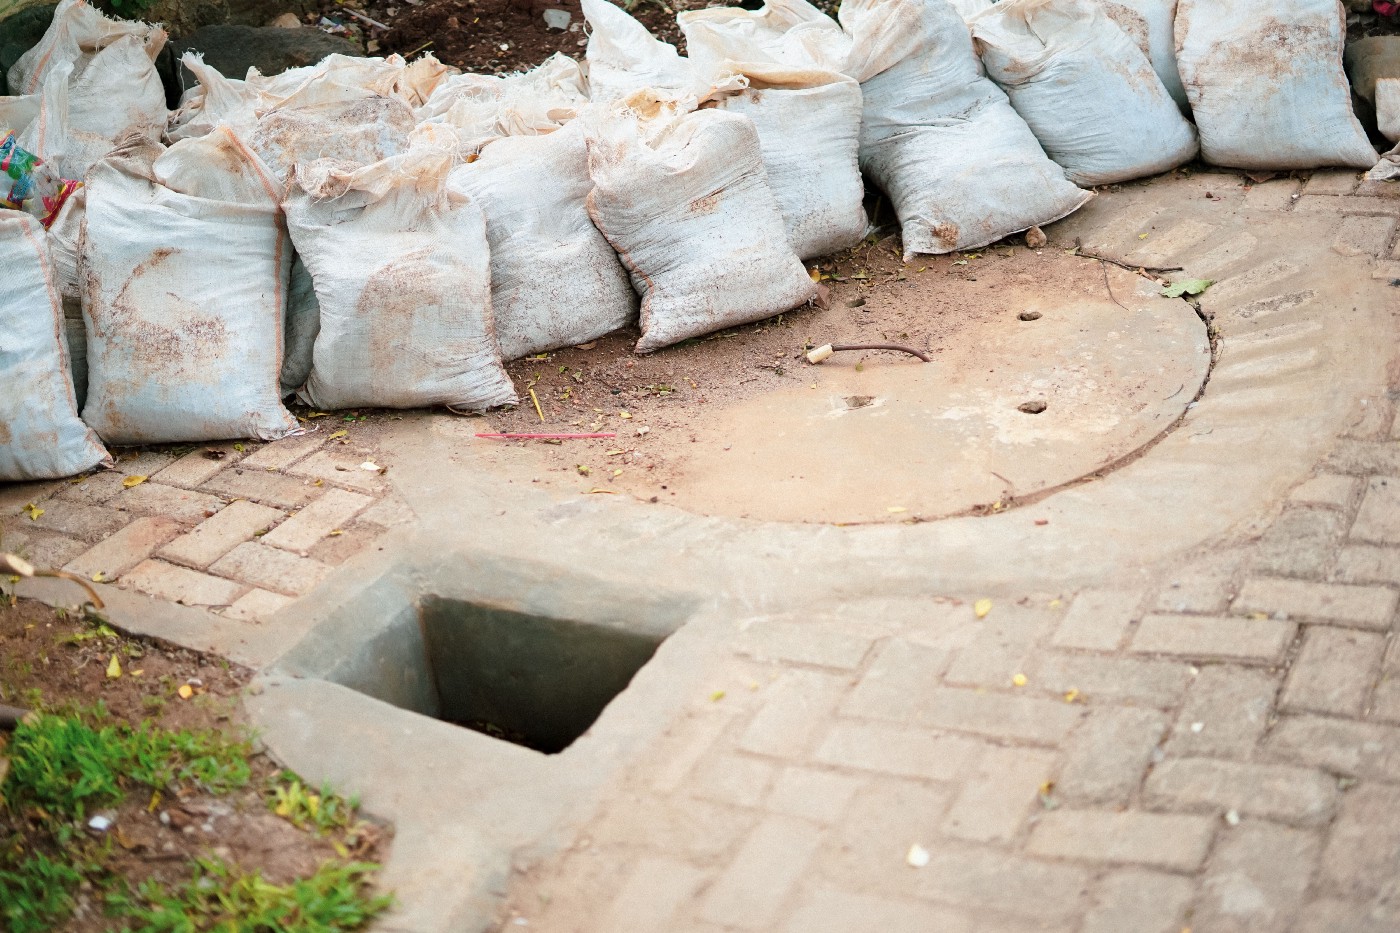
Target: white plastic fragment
917 856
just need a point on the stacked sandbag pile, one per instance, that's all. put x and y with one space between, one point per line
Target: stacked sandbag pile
372 232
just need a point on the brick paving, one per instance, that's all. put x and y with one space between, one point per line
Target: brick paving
1218 750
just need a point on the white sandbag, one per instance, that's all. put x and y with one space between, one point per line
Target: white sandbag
113 91
624 57
40 434
781 32
213 101
960 166
557 85
970 8
401 269
184 261
808 124
1266 84
555 281
1087 91
684 200
1158 18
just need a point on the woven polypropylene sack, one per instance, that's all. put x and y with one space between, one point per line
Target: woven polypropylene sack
555 281
808 124
184 260
959 164
401 269
684 200
40 434
1266 84
1086 89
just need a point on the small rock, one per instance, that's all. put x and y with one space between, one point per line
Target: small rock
101 823
856 303
557 20
917 856
286 21
1035 238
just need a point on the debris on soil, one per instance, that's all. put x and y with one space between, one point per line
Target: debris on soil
139 801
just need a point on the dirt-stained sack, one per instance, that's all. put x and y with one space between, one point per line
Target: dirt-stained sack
793 33
401 269
483 107
1086 89
959 164
624 57
1156 35
112 88
184 261
684 200
40 434
808 124
1266 84
555 281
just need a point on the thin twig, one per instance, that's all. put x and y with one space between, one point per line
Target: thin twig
1103 267
364 19
1079 250
883 346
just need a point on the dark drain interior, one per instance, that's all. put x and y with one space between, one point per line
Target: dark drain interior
533 680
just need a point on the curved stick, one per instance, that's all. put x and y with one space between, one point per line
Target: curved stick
821 353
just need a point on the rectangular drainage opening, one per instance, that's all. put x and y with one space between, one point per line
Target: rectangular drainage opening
534 680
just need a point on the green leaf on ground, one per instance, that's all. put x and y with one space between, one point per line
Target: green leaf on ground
1186 287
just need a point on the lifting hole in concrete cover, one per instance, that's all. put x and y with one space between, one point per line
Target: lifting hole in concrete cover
533 680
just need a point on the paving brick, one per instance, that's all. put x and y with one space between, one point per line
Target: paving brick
1107 755
750 893
1257 879
1334 671
1332 489
996 654
42 548
88 522
183 505
811 642
94 489
733 779
1364 563
1364 847
274 489
1274 195
1385 704
998 793
340 470
270 569
1363 206
214 537
1387 270
1300 542
334 508
257 606
688 740
1226 711
1371 418
133 462
1176 842
116 555
793 712
1364 236
1204 587
197 468
1371 188
1379 518
1134 680
896 750
653 893
1097 619
831 910
1336 182
1222 637
181 585
1364 606
1333 916
389 512
1364 458
1362 749
900 670
699 830
278 455
965 710
1277 792
336 549
1138 901
981 878
819 796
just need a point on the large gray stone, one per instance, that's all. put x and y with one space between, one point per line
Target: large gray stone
21 32
1373 64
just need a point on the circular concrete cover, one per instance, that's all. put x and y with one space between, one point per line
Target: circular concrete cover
1016 408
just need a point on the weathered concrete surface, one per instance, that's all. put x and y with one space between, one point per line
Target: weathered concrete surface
1179 710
